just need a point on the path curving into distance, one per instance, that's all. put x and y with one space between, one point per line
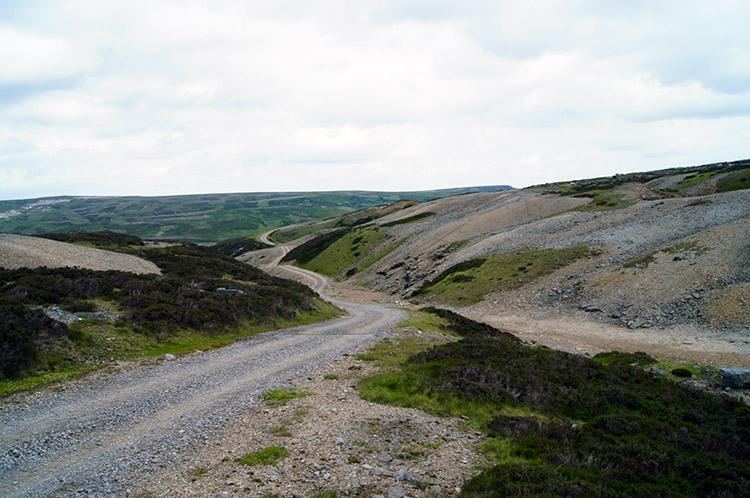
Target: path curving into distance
99 438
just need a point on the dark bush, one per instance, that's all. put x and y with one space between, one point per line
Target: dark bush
682 372
184 297
613 430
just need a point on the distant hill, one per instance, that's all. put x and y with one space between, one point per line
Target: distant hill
204 218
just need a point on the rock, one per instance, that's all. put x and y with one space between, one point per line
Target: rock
400 475
223 494
340 441
169 357
735 377
378 471
354 459
637 323
396 492
417 481
229 291
658 371
696 295
386 459
435 490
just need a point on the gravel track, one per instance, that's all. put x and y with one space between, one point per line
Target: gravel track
101 438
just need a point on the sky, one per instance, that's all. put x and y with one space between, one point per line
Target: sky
158 97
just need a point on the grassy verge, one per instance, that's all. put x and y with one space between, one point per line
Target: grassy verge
469 281
8 387
559 424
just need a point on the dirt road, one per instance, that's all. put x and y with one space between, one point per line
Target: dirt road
98 438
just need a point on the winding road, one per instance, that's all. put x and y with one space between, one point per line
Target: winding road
98 438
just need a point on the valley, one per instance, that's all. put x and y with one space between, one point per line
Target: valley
537 340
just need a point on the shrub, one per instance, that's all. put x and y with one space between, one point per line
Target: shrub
682 372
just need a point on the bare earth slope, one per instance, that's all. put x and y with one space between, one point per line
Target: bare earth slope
21 251
672 275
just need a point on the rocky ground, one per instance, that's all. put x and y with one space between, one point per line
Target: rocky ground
22 251
335 441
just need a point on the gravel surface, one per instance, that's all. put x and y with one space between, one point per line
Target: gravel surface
335 440
103 438
21 251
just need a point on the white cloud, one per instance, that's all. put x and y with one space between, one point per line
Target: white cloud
160 96
28 57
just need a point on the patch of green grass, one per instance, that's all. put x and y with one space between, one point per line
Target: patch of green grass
425 321
618 358
681 248
696 178
698 202
279 397
346 251
267 456
30 383
604 200
641 261
326 493
377 257
330 376
410 219
736 180
468 282
455 246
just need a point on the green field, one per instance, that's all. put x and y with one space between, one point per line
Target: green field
204 218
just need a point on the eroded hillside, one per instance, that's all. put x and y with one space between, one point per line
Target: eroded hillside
630 253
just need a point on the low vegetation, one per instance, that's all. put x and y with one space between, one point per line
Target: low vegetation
469 281
266 456
202 298
279 397
559 424
239 245
410 219
341 250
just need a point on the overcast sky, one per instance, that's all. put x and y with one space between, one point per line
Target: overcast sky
151 97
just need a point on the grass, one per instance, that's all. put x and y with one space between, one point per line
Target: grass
559 424
468 282
267 456
641 261
280 397
346 251
283 429
410 219
33 382
679 250
425 321
604 200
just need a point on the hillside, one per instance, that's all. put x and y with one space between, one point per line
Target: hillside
597 264
202 218
95 306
